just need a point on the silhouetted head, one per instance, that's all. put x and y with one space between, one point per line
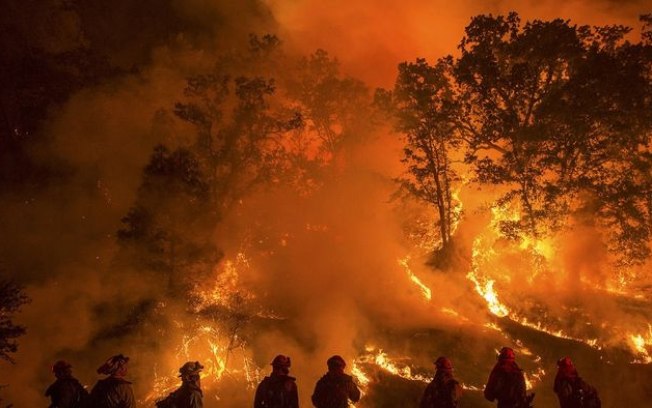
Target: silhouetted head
566 367
281 364
506 354
444 364
62 369
189 372
336 363
565 362
115 366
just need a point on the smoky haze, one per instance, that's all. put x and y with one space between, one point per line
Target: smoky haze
382 34
327 269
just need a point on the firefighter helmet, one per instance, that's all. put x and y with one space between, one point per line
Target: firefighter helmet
281 361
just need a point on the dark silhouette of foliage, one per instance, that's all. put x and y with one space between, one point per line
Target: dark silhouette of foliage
239 133
506 74
558 115
333 106
165 226
186 191
12 298
646 31
425 110
39 71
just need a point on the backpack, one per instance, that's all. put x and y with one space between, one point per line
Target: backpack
276 392
75 393
331 393
101 393
510 387
168 402
82 397
592 400
442 394
583 395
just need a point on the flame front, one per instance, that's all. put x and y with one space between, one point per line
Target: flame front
425 290
642 343
224 353
380 359
487 271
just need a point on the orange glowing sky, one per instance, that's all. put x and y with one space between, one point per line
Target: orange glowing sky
371 37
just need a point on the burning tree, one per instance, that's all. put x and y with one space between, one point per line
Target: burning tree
505 76
333 106
254 124
425 109
560 114
236 146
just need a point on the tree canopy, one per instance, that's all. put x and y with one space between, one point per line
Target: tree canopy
258 119
557 115
425 107
12 298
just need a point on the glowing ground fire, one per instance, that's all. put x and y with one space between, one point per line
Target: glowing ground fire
225 354
427 293
485 258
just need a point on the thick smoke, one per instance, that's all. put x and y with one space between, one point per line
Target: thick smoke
370 39
335 283
59 236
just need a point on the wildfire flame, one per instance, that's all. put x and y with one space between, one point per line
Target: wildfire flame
486 271
534 378
487 291
425 291
226 288
642 343
361 378
381 360
216 346
206 339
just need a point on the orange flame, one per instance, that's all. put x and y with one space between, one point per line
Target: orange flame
425 291
642 344
206 340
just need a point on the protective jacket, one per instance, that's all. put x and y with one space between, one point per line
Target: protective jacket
188 396
334 390
574 392
507 385
277 391
66 393
112 392
442 392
